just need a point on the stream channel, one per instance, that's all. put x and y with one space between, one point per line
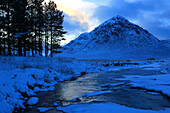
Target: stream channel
122 93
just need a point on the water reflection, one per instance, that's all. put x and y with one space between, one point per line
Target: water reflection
74 89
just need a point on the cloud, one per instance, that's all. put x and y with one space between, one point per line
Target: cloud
77 16
73 25
150 14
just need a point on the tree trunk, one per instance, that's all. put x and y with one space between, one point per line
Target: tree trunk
4 46
39 42
46 41
8 32
24 46
51 37
35 41
32 45
19 46
32 39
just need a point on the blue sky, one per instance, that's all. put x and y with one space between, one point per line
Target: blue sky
84 15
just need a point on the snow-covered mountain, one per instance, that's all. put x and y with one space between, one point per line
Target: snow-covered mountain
116 38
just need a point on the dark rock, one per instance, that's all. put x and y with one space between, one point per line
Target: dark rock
83 73
151 58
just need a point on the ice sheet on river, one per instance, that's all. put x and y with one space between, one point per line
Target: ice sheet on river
96 93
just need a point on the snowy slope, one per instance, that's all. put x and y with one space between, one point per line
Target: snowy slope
166 43
116 38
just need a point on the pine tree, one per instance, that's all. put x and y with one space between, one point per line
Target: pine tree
38 22
46 24
6 19
32 12
41 20
58 31
8 27
6 14
56 28
19 24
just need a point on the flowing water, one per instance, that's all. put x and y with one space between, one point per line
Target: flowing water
123 94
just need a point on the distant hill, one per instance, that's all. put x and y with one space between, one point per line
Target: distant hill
117 38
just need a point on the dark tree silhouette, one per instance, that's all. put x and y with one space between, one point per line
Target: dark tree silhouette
25 25
56 28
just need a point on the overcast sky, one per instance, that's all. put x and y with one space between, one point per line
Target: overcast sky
84 15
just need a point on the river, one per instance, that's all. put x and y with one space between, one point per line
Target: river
122 93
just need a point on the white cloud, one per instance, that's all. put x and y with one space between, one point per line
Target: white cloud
78 14
75 7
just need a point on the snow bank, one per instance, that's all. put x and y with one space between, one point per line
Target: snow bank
24 76
6 107
104 108
56 103
156 82
9 96
32 101
42 109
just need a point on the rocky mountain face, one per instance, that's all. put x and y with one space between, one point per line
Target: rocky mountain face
117 38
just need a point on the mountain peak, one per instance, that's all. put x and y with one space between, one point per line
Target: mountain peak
118 17
115 22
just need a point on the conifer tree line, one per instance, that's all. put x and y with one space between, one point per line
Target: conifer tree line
29 27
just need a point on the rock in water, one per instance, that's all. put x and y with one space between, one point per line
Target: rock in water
117 38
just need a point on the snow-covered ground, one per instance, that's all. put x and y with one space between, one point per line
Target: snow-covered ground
21 77
104 108
159 83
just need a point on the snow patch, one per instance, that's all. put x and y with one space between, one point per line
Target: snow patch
74 100
156 82
96 93
42 109
56 103
115 84
32 101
